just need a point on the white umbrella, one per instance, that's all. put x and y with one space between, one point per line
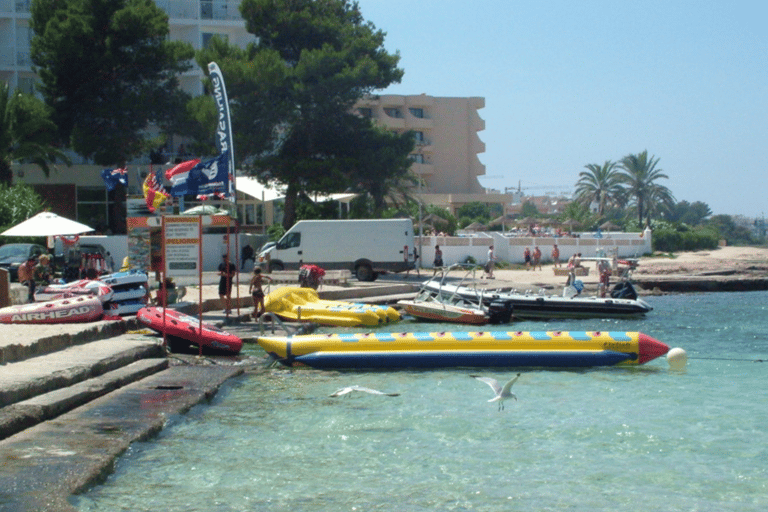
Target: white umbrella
47 224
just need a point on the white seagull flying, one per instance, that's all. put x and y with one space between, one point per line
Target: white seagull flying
502 393
349 389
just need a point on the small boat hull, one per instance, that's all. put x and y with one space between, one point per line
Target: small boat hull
189 328
437 312
464 349
69 310
543 307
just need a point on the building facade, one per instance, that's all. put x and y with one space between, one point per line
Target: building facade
446 129
191 21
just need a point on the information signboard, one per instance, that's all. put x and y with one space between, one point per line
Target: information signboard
182 244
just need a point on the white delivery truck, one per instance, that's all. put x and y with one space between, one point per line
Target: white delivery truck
366 247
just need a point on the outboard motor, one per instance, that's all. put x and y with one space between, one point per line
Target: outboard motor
500 312
624 290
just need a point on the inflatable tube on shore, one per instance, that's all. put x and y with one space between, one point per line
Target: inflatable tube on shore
189 328
76 288
464 349
303 304
70 310
127 307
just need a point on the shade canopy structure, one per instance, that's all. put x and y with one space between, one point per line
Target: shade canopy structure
47 224
609 226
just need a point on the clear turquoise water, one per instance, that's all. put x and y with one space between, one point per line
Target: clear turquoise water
645 438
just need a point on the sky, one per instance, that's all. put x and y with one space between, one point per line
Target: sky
571 83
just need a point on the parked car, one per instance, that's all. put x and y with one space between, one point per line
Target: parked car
13 255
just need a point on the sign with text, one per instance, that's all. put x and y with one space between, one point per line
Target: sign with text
182 245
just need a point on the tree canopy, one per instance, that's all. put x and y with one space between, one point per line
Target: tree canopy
26 133
292 94
600 184
640 176
108 70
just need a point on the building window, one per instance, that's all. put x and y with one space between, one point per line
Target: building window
419 138
418 159
393 112
365 112
417 112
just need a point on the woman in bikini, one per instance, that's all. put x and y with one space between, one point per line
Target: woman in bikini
257 292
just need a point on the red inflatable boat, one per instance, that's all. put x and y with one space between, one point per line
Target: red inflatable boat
71 310
178 326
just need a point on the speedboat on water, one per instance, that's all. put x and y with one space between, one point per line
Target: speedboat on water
622 302
440 306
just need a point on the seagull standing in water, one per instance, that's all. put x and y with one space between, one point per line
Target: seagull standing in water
502 393
349 389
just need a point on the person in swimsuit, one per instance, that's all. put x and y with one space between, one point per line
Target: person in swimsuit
257 292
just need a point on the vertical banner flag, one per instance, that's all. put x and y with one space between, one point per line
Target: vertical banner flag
113 177
223 126
154 193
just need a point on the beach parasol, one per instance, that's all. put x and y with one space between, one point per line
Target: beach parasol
205 209
608 226
476 226
47 224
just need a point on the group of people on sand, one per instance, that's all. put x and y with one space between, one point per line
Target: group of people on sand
35 273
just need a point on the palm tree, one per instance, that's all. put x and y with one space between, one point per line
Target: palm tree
601 184
639 175
26 133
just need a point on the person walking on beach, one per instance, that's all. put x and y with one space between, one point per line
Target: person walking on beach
555 256
489 264
26 277
438 257
527 256
226 271
537 258
257 292
415 261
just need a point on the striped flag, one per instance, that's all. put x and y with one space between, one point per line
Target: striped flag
154 193
178 175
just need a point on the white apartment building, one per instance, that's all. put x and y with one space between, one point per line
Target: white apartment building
192 21
446 154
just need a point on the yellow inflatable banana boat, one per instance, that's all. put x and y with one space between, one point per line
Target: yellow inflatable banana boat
463 349
303 304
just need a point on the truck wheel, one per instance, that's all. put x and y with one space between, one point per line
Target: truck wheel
365 273
276 266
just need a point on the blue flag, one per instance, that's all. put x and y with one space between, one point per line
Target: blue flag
210 177
113 177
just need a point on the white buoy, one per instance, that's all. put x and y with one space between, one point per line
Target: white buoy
677 358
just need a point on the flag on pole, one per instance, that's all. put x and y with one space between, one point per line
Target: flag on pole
224 139
211 177
154 193
113 177
179 175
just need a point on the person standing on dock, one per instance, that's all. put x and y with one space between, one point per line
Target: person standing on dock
226 271
490 263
